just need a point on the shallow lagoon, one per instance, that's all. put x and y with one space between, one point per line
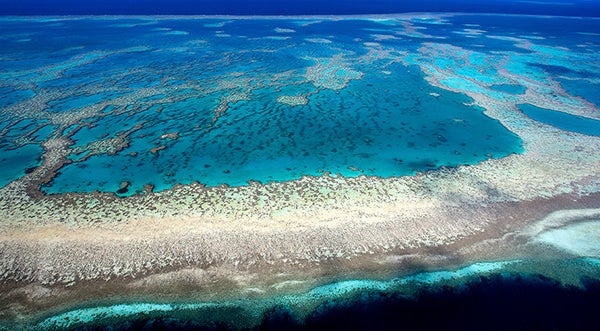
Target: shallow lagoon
377 126
247 100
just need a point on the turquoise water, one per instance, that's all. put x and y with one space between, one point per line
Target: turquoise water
226 102
351 132
14 162
167 101
509 88
562 120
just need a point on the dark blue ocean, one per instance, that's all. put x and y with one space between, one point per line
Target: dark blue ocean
503 301
588 8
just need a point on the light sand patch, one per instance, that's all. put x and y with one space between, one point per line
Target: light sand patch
217 24
272 38
582 239
318 40
293 100
332 73
381 37
283 30
177 33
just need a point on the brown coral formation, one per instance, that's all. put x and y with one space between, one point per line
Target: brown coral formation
171 135
155 150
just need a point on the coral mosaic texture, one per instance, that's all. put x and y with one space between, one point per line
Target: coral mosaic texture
212 169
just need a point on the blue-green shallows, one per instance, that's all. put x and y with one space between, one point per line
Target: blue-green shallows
562 120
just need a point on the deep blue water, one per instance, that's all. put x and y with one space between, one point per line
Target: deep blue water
502 301
497 302
586 8
570 80
586 91
528 294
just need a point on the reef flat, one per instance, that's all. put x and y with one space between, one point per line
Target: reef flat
146 178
